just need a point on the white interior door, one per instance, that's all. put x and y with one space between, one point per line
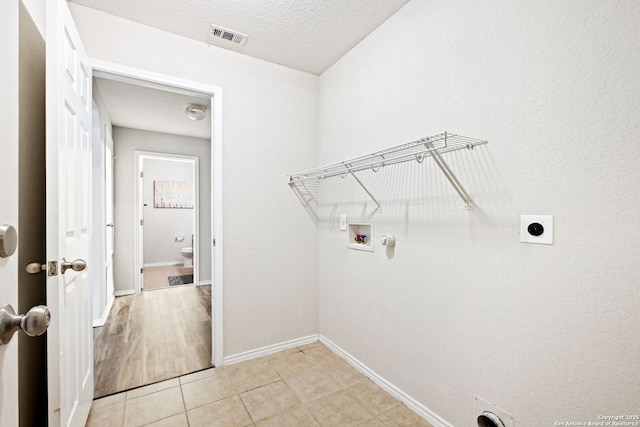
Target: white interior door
68 162
9 197
109 201
138 273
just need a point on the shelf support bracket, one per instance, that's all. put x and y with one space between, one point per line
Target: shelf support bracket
451 177
366 191
305 197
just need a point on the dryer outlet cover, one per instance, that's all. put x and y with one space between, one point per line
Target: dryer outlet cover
536 229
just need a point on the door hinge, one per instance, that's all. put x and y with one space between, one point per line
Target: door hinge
142 222
214 242
141 174
141 270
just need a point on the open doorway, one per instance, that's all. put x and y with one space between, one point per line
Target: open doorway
200 234
168 209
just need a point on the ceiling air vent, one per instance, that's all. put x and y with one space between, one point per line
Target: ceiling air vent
229 35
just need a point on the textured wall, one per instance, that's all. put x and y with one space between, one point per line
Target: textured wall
460 307
270 129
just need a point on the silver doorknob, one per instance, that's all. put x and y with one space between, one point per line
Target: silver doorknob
35 267
110 225
75 265
34 323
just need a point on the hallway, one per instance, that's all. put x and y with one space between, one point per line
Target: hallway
153 336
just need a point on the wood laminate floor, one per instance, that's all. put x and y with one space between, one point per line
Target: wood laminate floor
153 336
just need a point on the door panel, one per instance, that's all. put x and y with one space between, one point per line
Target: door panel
9 83
68 152
109 202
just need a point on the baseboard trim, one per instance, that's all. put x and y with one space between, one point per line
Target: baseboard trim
270 349
123 293
409 401
205 282
103 319
163 264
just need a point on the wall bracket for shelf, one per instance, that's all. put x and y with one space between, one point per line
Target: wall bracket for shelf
433 146
451 177
305 195
366 191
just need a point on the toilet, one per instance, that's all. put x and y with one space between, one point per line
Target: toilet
187 253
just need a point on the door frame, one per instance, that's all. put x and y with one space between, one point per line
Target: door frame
138 263
146 78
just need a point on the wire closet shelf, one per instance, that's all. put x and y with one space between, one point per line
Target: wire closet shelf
432 146
416 150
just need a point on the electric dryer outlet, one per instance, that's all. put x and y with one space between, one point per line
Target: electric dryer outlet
536 229
480 405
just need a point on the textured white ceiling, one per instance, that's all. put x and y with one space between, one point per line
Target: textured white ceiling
152 109
308 35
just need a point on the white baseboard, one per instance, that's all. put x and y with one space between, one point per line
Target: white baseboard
270 349
123 293
163 264
411 403
205 282
105 313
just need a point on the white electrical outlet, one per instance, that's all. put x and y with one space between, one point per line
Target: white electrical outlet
536 229
343 223
480 405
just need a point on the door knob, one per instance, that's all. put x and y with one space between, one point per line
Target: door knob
110 225
35 267
75 265
8 240
34 323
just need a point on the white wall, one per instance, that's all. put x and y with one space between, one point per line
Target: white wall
270 129
126 141
549 333
37 12
162 226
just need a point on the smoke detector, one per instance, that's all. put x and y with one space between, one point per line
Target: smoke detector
229 35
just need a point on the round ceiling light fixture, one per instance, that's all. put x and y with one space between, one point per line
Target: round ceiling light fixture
195 111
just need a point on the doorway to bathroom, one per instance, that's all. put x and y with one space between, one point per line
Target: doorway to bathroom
124 357
167 200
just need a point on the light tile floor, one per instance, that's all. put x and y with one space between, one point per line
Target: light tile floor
157 277
301 387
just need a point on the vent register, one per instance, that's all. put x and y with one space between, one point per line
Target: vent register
228 35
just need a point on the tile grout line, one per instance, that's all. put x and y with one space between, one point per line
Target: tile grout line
244 405
184 404
124 410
